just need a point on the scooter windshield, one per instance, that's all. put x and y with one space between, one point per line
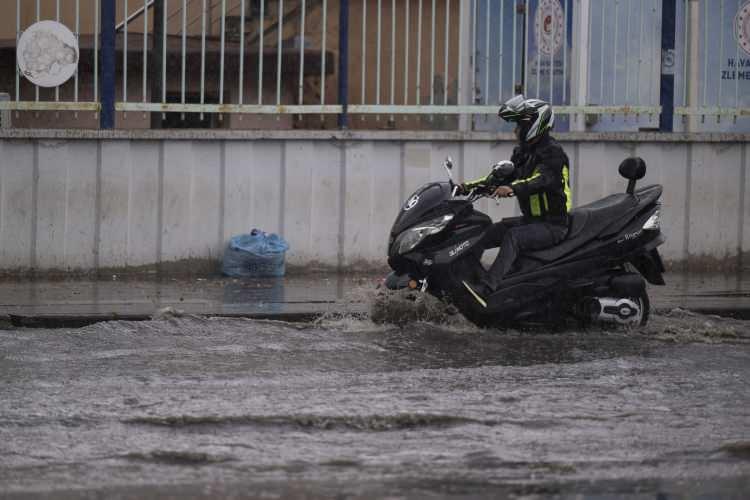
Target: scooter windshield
424 200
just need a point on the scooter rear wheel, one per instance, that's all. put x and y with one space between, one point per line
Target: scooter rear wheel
644 304
587 320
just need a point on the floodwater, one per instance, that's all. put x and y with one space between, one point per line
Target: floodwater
343 407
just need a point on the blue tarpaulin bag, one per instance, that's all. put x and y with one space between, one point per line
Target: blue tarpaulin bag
255 255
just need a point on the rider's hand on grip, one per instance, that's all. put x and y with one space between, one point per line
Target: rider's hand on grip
504 192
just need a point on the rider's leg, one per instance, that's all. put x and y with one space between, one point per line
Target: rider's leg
495 234
528 237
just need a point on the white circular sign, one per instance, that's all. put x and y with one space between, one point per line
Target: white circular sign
549 26
47 54
742 27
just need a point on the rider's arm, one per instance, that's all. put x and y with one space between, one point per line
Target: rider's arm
481 182
469 185
546 176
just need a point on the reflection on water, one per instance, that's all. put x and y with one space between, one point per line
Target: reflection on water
265 294
716 293
138 296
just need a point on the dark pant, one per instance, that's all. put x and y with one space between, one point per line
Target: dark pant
514 237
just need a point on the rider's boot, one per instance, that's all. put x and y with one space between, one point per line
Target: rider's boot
488 284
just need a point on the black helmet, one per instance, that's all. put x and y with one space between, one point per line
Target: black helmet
534 116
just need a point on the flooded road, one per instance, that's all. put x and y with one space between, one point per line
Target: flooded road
420 404
190 407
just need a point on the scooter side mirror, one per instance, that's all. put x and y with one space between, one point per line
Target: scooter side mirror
448 164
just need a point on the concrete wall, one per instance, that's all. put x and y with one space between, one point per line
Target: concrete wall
85 200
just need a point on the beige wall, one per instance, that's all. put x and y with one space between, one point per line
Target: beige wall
47 11
355 48
193 15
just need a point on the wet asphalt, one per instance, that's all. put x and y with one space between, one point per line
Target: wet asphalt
77 302
188 406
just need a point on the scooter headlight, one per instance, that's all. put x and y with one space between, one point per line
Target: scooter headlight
654 222
413 236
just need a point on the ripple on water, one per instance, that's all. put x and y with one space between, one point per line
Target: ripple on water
319 422
178 457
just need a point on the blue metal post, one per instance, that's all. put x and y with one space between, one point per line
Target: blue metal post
107 92
668 35
343 63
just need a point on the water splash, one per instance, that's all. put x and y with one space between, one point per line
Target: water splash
683 326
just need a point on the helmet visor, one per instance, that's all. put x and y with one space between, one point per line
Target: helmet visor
513 109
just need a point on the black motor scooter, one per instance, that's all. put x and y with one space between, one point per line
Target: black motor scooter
596 274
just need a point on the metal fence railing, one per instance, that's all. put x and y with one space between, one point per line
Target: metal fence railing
603 64
199 47
5 113
624 63
715 60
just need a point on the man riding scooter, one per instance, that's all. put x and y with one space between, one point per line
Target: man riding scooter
541 185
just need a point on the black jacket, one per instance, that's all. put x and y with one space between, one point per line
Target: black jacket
542 181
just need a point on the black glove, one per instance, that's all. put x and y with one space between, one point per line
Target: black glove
461 190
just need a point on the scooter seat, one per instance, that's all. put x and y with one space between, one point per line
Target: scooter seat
586 223
595 216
